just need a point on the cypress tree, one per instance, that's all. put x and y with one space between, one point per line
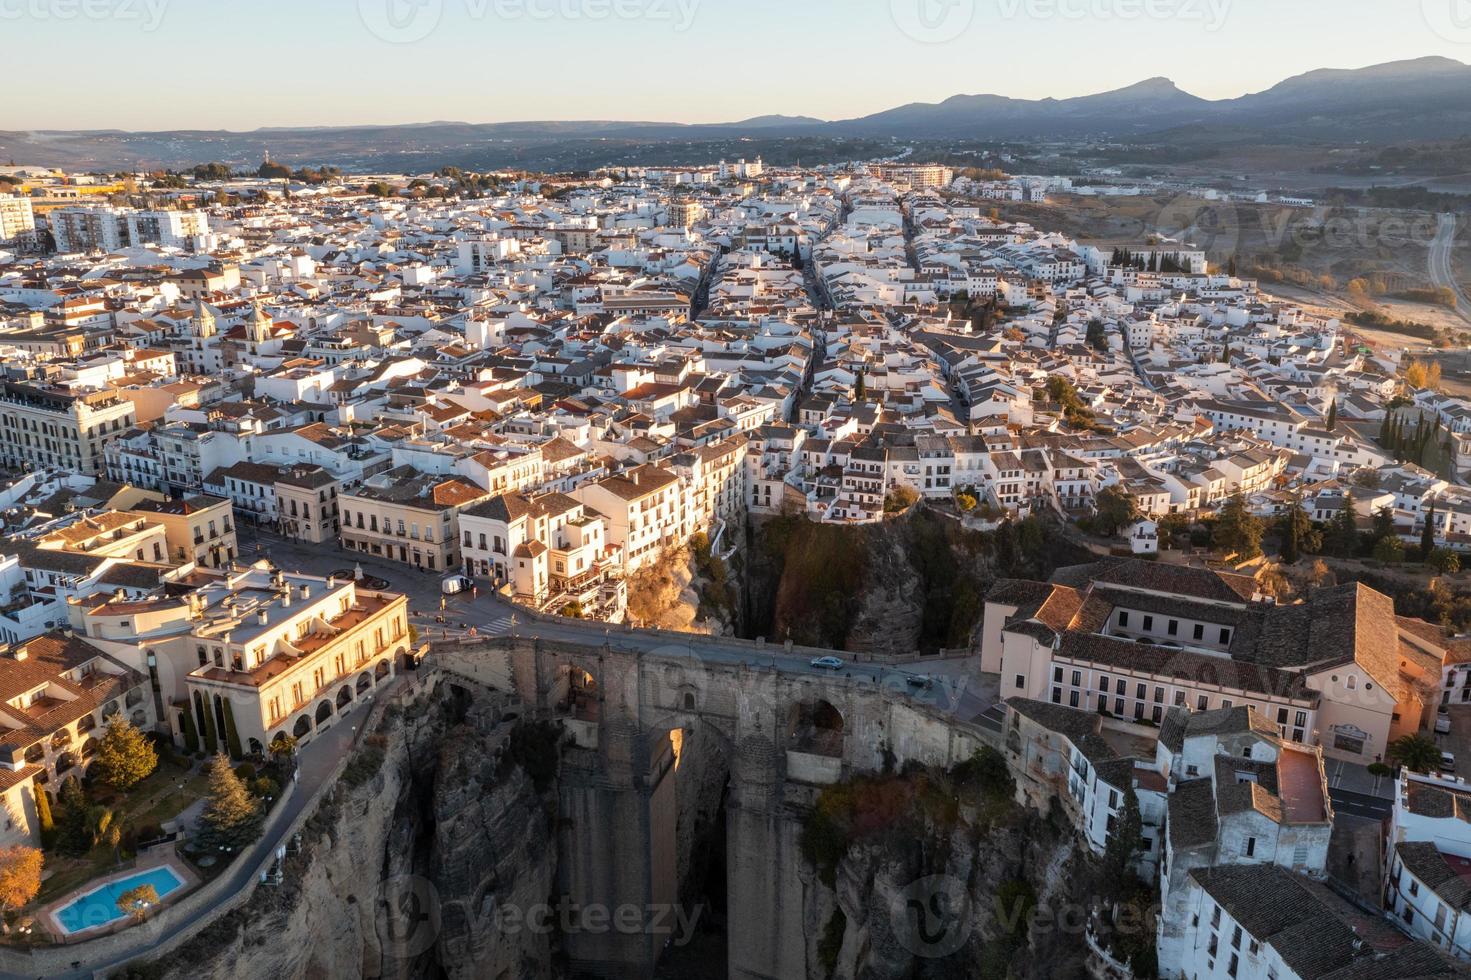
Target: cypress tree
191 734
1427 537
44 820
211 739
232 737
1332 415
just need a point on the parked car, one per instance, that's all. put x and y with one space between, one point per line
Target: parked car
1443 725
921 680
828 663
455 584
1447 762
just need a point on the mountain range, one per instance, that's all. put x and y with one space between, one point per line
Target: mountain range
1427 98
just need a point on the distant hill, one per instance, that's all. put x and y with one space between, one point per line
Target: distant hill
1428 98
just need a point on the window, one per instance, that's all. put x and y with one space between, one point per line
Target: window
1141 691
1174 627
1301 720
1123 619
1118 706
1236 938
1203 703
1077 678
1057 674
1159 695
1250 847
1072 699
1225 636
1057 695
1121 688
1021 681
1103 683
1148 623
1199 631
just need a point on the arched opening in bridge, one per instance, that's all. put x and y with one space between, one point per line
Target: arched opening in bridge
815 727
578 694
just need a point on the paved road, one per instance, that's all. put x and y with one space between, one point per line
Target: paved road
315 762
1442 270
1360 804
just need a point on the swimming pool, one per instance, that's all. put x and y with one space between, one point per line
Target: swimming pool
98 907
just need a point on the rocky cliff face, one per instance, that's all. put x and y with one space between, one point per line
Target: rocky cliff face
406 871
892 915
916 582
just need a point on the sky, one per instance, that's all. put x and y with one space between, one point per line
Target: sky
246 64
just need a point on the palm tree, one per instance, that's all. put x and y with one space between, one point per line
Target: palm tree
1415 752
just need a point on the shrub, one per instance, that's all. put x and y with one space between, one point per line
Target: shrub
245 772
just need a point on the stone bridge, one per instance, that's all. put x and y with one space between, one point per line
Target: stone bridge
653 729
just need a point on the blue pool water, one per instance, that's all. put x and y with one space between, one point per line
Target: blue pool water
99 906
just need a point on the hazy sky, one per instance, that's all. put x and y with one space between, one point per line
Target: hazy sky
242 64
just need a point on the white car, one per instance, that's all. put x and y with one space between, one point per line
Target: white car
1447 762
828 663
455 584
1443 725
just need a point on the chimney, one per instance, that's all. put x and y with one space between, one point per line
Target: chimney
261 617
331 582
306 592
286 596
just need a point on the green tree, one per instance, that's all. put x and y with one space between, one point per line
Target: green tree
1333 415
191 734
1122 848
124 756
282 745
1341 538
211 738
1383 524
1416 753
1298 534
1389 549
1427 536
232 737
1445 561
45 822
1114 508
73 832
860 391
1238 531
232 817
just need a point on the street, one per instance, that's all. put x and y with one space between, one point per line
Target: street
1442 270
